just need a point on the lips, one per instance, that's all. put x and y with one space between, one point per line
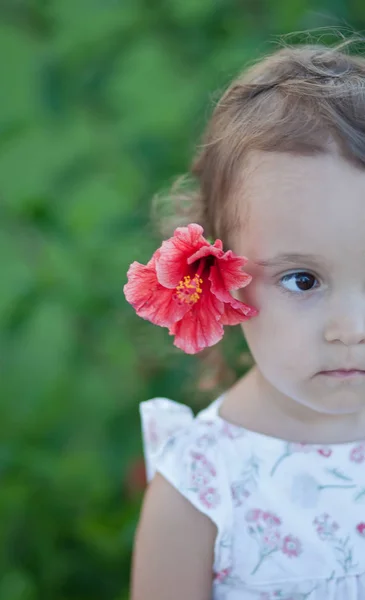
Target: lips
343 372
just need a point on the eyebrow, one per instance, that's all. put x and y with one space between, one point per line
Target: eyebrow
285 259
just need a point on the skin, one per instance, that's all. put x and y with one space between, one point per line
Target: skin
306 216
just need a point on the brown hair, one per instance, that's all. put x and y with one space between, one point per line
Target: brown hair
300 99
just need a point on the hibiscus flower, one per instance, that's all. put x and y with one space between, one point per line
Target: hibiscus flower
186 287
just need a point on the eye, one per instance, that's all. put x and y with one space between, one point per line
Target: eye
299 282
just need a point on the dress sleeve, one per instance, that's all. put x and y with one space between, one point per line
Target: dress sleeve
192 462
161 418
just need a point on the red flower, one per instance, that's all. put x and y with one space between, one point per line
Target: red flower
361 529
186 287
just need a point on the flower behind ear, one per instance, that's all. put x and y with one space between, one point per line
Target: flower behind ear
186 287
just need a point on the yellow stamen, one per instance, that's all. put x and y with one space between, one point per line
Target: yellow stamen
189 290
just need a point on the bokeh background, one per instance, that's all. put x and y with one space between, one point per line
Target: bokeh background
102 103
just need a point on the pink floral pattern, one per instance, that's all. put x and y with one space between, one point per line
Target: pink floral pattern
326 527
245 486
328 531
292 448
264 527
239 493
253 515
357 454
201 464
326 452
209 497
271 539
222 575
291 546
202 473
270 519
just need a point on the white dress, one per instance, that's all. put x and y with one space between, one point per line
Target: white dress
290 517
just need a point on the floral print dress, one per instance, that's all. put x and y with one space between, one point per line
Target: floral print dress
290 517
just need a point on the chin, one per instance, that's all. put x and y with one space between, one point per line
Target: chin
336 404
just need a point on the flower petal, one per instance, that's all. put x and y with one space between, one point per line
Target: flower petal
172 261
200 328
230 267
236 312
217 284
149 298
205 251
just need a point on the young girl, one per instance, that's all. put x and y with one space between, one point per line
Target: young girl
262 495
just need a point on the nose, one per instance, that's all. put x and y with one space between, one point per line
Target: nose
346 324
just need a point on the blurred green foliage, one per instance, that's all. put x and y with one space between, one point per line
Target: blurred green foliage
102 102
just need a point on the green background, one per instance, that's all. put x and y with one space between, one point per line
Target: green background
101 105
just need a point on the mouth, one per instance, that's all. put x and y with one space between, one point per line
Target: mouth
343 373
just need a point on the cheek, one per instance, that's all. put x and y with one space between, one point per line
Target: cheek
278 337
278 348
249 295
267 336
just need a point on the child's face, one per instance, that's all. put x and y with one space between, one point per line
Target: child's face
305 240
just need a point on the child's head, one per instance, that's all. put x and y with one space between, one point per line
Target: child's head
281 179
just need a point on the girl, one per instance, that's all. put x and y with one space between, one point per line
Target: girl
262 495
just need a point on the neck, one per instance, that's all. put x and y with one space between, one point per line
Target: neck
256 405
